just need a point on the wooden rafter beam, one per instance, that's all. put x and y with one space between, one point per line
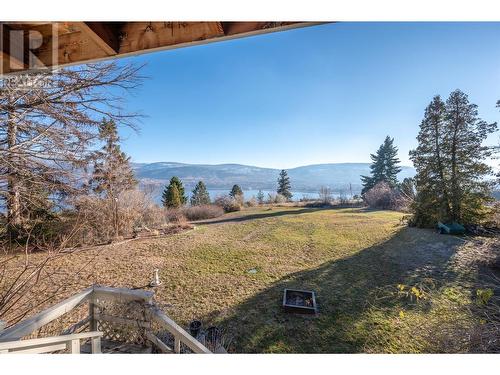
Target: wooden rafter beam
11 50
101 34
71 43
235 28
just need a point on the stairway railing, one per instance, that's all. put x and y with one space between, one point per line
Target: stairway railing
10 338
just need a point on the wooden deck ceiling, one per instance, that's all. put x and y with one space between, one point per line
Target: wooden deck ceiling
31 46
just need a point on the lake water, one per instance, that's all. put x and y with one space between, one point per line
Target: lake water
249 194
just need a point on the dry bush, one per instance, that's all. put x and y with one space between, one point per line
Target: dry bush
202 212
252 202
175 215
318 204
228 204
383 196
107 219
136 209
276 198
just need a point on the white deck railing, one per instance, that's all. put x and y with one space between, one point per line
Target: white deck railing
10 338
53 344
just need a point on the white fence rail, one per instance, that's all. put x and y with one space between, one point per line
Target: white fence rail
10 338
53 344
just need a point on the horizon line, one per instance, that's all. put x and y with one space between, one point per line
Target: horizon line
255 166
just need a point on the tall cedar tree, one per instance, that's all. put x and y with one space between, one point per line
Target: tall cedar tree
112 171
200 195
451 172
384 166
174 197
284 186
236 191
169 196
430 160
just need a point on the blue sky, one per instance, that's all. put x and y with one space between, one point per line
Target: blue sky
321 94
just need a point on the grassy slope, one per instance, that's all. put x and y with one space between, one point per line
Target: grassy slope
345 255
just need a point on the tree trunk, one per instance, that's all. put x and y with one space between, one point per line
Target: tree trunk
455 194
13 188
444 190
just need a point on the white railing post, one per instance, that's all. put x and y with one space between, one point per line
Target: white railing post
95 343
177 344
74 346
70 343
30 325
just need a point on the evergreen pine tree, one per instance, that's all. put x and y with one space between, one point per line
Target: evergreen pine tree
449 160
429 159
236 192
463 143
112 172
384 166
260 197
200 195
175 200
174 189
284 186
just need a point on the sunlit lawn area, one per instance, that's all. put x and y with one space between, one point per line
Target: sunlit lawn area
231 272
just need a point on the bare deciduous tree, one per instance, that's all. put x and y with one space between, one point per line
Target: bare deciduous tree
325 194
46 130
46 137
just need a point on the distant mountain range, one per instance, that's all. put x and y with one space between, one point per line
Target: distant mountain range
309 178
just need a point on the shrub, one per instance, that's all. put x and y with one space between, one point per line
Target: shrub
137 210
383 196
252 202
208 211
275 198
175 215
228 204
99 220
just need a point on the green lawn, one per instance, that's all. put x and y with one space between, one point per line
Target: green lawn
353 258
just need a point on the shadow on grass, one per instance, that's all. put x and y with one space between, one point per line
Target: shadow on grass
270 214
343 288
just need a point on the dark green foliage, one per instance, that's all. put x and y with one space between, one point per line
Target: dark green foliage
429 159
200 195
236 192
384 167
284 186
451 172
112 172
171 196
174 195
